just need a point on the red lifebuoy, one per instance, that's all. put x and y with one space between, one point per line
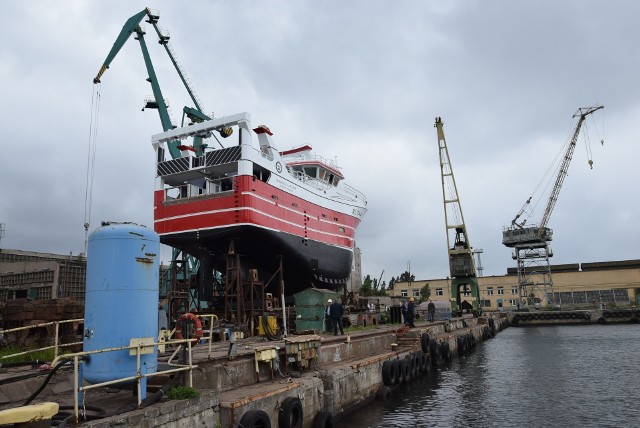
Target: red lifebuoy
192 318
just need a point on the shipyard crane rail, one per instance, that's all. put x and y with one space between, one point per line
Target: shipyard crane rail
517 234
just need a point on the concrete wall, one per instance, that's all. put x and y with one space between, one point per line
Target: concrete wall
194 412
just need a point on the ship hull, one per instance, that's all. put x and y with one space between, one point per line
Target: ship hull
304 264
264 222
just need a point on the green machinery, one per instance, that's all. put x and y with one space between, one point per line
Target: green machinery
465 293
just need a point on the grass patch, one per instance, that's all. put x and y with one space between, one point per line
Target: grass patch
182 393
45 355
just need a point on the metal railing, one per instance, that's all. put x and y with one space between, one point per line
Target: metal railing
56 346
77 388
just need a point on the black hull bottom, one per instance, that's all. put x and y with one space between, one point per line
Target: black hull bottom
305 263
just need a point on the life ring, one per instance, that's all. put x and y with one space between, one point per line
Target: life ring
290 414
192 318
255 419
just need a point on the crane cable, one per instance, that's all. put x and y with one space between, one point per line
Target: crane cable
547 178
91 160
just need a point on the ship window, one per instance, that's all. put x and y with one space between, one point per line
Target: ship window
311 171
160 154
324 216
341 229
294 205
261 173
274 197
197 161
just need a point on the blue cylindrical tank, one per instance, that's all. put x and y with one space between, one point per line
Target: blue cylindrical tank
121 300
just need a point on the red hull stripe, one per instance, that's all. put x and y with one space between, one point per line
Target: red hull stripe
254 202
227 218
300 213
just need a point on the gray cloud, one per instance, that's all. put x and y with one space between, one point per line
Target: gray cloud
360 80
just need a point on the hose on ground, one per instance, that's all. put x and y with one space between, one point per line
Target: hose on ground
46 381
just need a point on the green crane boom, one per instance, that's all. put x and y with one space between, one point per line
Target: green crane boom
195 114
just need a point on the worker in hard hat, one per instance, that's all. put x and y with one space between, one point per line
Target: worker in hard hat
411 311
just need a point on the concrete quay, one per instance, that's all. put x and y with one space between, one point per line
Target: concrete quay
559 317
346 372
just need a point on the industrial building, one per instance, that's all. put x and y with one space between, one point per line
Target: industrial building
38 276
612 283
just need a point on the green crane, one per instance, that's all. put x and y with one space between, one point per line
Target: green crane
184 267
132 26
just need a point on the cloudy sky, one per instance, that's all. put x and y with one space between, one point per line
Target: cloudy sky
359 80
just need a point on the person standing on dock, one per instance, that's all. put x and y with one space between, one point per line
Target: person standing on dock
403 309
431 311
337 311
411 311
328 316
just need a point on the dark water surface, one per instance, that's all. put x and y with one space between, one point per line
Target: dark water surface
565 376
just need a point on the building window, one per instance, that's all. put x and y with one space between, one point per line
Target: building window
500 290
485 303
490 291
416 293
439 292
403 293
514 289
466 293
513 302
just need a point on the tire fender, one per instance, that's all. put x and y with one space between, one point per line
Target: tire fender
290 414
323 420
255 419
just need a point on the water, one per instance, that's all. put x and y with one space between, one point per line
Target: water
569 376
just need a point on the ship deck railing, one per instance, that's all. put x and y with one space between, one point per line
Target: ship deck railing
344 190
